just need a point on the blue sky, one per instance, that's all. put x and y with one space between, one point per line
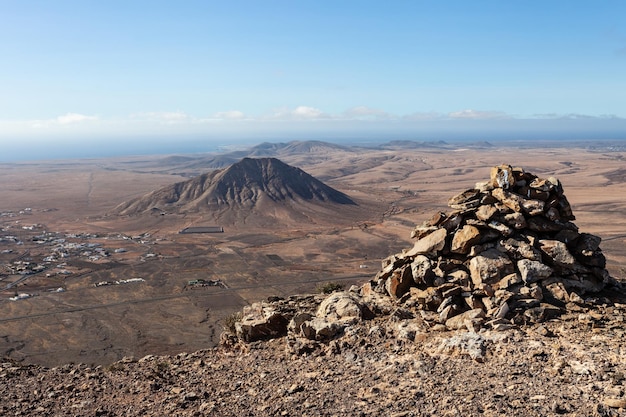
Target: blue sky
131 72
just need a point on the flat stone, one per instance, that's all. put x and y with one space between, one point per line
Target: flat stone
533 207
431 243
508 281
465 200
459 321
500 227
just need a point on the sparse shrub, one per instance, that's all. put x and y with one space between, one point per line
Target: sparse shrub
115 367
329 287
160 369
162 366
231 320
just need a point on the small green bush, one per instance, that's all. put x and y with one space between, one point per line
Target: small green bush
231 320
329 287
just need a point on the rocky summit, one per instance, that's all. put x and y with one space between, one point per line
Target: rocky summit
507 255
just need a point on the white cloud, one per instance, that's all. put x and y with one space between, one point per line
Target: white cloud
73 118
305 112
478 115
229 115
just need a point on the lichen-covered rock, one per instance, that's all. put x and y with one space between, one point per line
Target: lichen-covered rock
533 271
340 306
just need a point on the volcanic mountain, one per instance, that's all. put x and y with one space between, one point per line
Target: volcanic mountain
263 187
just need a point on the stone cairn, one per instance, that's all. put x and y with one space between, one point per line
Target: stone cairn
508 253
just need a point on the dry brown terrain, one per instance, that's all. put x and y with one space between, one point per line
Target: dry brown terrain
162 313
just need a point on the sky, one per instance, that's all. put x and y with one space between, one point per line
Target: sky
135 76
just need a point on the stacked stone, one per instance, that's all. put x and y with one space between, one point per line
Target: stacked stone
509 252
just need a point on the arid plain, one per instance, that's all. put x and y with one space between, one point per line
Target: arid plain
120 285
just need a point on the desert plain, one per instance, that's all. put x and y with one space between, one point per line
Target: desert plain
127 285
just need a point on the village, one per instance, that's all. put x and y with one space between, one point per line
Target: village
35 261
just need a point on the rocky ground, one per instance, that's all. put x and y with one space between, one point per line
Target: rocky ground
573 365
501 308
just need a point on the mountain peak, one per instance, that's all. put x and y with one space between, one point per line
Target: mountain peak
251 183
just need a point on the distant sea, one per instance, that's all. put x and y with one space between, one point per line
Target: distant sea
16 152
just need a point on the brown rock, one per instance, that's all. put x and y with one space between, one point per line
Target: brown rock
565 210
252 328
466 200
508 281
558 291
399 282
518 203
489 267
500 227
465 238
430 298
542 313
518 249
458 276
542 225
452 222
485 212
515 220
557 251
510 200
533 207
587 244
432 243
460 321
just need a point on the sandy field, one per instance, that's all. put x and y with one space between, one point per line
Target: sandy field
151 301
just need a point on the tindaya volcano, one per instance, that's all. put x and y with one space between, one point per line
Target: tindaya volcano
264 186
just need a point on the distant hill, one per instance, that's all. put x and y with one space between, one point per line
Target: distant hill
412 144
261 187
266 149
